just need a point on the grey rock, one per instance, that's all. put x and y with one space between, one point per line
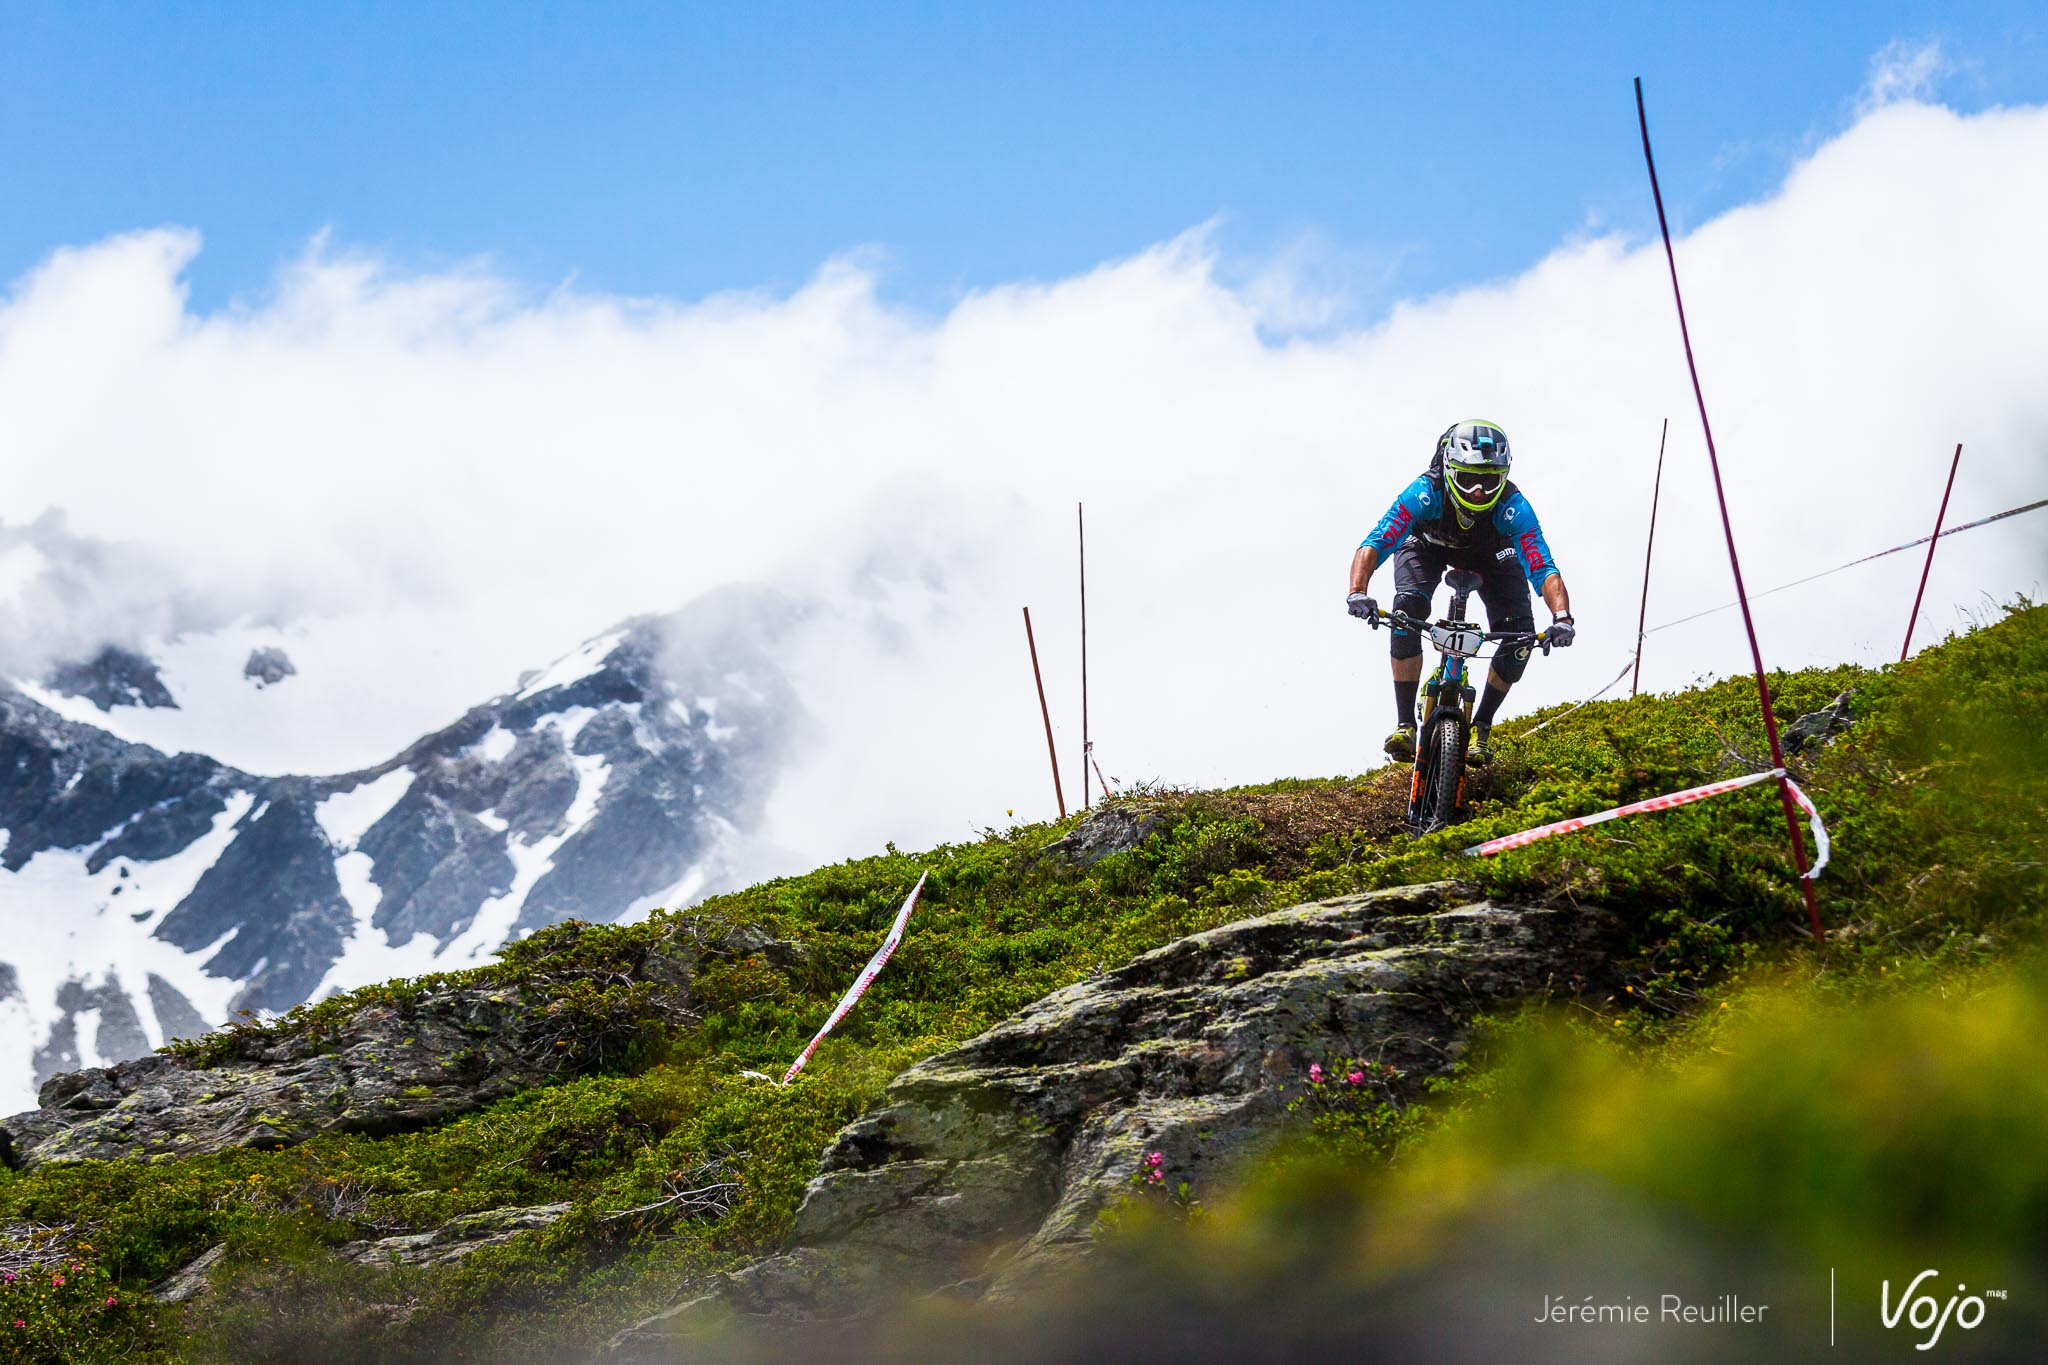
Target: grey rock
454 1239
985 1168
1106 832
268 666
190 1280
113 677
1818 727
387 1068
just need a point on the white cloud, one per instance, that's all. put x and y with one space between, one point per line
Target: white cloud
1904 70
502 475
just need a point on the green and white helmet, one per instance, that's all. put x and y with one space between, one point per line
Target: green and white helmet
1474 457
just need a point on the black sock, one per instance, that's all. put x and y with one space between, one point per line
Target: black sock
1404 701
1489 703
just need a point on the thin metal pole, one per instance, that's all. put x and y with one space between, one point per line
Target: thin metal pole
1046 715
1087 749
1932 541
1643 612
1756 654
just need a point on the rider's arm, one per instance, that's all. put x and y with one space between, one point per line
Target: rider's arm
1362 564
1516 520
1416 503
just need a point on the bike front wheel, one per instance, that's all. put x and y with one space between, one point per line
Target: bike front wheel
1446 777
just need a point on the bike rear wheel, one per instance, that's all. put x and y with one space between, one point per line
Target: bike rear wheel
1445 779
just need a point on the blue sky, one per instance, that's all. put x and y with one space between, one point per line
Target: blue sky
684 150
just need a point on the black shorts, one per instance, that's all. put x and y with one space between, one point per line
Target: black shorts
1503 589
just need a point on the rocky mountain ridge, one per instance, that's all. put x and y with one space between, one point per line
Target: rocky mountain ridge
148 896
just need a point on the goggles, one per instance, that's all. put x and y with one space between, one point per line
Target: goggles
1477 489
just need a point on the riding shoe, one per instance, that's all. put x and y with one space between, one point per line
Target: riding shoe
1400 745
1480 749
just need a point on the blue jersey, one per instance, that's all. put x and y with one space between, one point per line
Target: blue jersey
1420 511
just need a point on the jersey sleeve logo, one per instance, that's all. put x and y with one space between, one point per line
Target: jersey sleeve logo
1532 551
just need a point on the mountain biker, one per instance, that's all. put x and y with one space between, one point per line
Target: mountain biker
1462 513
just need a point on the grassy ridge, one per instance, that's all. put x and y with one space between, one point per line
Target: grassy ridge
1935 799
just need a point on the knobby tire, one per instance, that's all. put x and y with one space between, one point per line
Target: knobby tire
1446 772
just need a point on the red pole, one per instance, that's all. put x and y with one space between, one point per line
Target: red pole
1756 654
1933 541
1050 752
1643 612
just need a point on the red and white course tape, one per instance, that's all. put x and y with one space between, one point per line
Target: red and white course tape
862 982
1675 799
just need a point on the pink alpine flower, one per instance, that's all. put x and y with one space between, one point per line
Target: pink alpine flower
1355 1078
1315 1073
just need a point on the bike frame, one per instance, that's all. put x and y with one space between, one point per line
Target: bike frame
1446 698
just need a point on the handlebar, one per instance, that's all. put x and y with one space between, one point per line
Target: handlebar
1400 620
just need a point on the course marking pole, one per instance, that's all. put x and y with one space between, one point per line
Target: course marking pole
1932 541
1643 612
1044 714
1756 653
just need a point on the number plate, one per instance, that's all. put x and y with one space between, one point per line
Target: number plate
1463 641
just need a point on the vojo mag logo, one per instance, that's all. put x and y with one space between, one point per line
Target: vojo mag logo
1920 1312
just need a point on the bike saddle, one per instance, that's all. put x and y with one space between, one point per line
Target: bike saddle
1463 581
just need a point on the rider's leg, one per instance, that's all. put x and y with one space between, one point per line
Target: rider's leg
1407 681
1417 568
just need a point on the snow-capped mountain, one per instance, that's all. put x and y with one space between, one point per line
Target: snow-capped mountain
146 896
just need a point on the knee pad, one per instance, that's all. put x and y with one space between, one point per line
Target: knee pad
1407 644
1509 663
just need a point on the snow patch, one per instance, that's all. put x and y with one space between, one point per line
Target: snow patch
369 955
686 891
75 709
569 724
87 1024
574 666
347 816
496 743
60 922
530 862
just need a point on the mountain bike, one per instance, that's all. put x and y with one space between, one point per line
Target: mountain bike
1445 702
